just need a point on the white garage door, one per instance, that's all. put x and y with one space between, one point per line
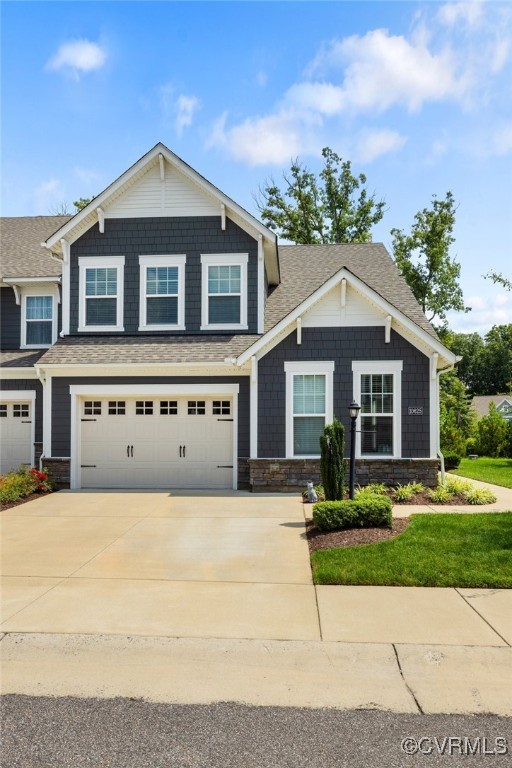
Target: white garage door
15 434
156 442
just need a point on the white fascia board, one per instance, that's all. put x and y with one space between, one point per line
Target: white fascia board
150 157
24 280
288 322
154 389
7 374
144 369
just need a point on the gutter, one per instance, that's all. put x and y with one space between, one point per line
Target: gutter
438 434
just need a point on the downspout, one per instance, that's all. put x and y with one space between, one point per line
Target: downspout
40 375
438 430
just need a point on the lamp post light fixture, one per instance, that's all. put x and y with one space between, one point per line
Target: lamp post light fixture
353 410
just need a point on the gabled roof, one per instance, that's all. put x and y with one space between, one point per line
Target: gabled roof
20 246
481 403
85 218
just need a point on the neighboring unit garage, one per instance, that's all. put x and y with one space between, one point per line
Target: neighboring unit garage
161 437
17 429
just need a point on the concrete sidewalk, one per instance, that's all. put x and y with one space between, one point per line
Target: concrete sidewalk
206 598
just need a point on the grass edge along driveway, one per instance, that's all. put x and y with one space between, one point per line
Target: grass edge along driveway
487 470
437 550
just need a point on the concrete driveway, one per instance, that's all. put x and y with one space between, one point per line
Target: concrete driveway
158 564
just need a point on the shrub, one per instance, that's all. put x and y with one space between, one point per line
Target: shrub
456 486
479 496
417 488
319 492
451 461
440 495
22 482
404 493
332 465
492 434
365 511
373 488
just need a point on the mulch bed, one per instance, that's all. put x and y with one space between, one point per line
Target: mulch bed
352 537
30 497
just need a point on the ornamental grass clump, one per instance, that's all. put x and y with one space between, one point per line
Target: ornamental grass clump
332 464
479 496
366 511
403 493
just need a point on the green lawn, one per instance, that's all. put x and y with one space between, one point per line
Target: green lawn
445 550
497 471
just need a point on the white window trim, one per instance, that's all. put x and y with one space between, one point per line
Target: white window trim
162 261
39 290
85 262
221 260
292 369
394 367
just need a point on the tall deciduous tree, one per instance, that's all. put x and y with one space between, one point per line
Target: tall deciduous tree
423 258
333 208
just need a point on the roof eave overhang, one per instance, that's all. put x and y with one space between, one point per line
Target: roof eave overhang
289 321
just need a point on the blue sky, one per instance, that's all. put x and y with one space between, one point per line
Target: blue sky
416 95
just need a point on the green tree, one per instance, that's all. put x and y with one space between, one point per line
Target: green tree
423 258
333 208
492 434
332 465
456 418
82 203
471 348
499 279
497 360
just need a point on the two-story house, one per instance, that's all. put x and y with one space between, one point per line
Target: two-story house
161 337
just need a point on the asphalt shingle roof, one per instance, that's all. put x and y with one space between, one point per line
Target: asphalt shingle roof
20 246
129 350
304 268
20 358
481 403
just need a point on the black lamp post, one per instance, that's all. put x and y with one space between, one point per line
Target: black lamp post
353 410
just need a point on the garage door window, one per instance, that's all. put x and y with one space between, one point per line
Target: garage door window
117 408
221 408
144 408
3 411
196 407
21 411
168 407
92 408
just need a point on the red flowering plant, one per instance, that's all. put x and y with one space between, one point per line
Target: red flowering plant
41 479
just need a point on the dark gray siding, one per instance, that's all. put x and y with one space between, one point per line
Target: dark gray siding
28 384
10 320
192 236
343 345
61 404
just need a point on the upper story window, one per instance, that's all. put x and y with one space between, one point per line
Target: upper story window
101 293
377 387
309 406
162 293
38 317
224 291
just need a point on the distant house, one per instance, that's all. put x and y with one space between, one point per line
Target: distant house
503 405
161 337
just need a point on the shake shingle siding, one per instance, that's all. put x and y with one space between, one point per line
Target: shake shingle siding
10 320
342 345
191 235
61 403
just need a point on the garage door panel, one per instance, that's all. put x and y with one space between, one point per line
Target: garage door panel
142 442
15 434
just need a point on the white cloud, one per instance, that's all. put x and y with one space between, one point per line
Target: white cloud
78 57
469 12
324 98
185 107
485 312
48 195
87 175
373 144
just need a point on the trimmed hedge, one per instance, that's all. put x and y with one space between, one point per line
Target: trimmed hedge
368 511
451 461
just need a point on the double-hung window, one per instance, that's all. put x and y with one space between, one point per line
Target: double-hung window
101 293
224 291
377 388
162 293
39 322
308 406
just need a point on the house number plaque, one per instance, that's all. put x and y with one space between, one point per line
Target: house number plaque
415 410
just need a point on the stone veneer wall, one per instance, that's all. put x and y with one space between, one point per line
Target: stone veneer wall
292 474
59 471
